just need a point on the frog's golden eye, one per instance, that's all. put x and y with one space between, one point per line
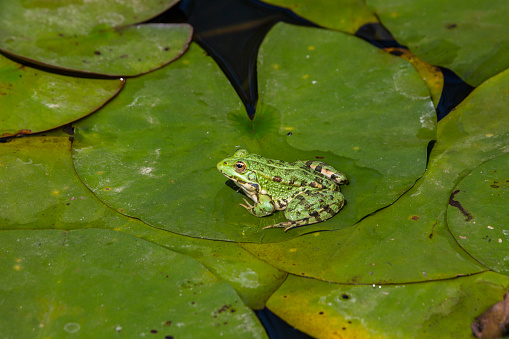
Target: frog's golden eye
240 167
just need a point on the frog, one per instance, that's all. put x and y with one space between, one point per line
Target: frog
308 191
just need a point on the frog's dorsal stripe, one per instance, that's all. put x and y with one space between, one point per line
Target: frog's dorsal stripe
326 170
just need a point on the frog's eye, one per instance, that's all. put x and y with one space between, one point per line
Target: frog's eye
240 167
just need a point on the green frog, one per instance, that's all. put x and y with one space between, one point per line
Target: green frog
308 191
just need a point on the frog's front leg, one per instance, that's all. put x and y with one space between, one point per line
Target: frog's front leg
310 207
263 207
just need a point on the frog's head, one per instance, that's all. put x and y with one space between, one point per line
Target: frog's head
237 168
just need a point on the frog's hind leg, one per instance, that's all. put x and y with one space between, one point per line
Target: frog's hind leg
322 204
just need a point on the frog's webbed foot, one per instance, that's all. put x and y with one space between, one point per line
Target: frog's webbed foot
249 207
261 208
288 225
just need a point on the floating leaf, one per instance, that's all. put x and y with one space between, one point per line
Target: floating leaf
32 100
409 240
92 37
167 175
468 37
431 75
338 94
77 17
344 15
477 213
440 309
88 282
53 197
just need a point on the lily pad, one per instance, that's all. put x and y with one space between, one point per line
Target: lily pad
52 197
92 37
76 17
440 309
32 100
167 175
54 285
409 240
342 15
468 37
337 94
477 214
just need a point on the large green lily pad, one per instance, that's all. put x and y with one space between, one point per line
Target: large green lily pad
91 37
167 176
409 241
32 100
43 192
101 283
469 37
440 309
477 213
338 94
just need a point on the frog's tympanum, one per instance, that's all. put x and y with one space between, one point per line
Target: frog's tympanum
308 191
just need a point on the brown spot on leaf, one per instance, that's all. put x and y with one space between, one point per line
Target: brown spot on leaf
18 133
457 204
414 217
451 26
432 229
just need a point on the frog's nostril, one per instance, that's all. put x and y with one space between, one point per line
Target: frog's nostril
224 163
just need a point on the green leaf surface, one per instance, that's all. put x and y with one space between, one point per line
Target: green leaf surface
477 213
342 15
167 175
75 17
442 309
91 37
469 37
101 283
40 190
32 100
409 240
338 94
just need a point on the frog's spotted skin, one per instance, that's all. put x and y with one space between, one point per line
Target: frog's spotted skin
308 191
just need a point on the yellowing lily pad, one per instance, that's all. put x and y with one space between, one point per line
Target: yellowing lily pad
477 213
101 283
439 309
152 153
92 37
32 100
